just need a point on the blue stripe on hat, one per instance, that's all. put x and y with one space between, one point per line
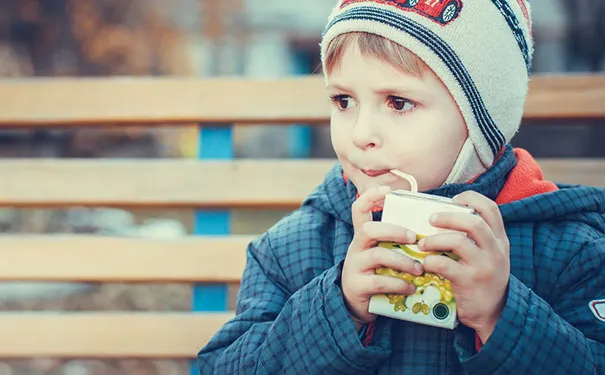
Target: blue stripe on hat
515 26
490 131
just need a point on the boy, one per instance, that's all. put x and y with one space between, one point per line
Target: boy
435 89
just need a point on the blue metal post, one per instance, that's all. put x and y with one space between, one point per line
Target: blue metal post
299 140
214 143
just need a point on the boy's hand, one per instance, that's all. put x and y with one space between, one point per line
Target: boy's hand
480 278
359 281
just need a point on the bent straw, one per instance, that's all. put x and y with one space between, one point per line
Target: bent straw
408 178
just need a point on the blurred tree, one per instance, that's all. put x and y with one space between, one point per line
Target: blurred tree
91 38
95 37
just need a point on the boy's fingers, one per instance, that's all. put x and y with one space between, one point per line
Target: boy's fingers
486 208
457 243
379 257
361 210
371 285
373 231
475 226
445 267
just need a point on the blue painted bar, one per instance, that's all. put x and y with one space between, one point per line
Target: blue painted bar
215 143
299 137
208 223
299 142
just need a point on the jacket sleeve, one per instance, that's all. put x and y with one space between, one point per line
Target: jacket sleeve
277 332
534 337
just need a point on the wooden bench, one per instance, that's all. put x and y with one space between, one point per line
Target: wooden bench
213 257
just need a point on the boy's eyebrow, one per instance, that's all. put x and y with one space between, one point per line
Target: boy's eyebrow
337 86
389 90
381 90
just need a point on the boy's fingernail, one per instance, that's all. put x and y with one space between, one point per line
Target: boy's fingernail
418 268
421 243
411 236
434 218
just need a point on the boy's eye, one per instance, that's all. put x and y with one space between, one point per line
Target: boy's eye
343 102
400 104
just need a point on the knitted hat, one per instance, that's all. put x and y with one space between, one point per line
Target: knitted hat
480 49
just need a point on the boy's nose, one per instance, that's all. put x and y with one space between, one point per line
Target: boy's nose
365 135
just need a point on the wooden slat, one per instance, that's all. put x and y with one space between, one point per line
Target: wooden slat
567 96
589 172
185 184
172 101
90 101
104 259
106 335
159 183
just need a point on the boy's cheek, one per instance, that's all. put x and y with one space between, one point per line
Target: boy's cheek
338 141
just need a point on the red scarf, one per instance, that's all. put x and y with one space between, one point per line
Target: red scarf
525 180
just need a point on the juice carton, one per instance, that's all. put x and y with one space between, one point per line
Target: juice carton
433 303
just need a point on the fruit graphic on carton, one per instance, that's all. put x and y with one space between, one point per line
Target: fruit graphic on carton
433 292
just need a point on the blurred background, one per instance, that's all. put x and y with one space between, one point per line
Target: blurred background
206 38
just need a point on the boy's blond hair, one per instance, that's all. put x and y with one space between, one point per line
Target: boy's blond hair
372 45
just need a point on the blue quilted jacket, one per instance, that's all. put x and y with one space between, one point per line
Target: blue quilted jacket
291 318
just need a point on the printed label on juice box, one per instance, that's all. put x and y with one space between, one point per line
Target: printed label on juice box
433 303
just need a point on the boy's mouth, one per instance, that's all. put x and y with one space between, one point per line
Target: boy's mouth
374 172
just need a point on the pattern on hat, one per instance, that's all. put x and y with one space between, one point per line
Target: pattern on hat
481 50
439 11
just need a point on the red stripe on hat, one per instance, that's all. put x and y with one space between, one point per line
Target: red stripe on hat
526 14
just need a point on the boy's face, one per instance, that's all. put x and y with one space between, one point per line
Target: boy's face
384 118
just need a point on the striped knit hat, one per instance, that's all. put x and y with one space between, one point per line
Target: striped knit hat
480 49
